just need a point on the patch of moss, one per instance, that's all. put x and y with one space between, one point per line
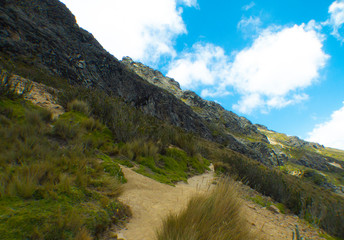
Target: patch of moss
261 201
112 168
175 165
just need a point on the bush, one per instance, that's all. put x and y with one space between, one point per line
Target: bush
78 106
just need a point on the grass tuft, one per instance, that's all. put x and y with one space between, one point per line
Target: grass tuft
215 215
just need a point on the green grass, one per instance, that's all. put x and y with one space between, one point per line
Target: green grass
52 189
316 176
261 201
175 165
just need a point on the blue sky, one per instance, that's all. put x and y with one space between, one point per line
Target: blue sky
278 63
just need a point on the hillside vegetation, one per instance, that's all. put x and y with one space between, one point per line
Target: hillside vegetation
55 165
60 178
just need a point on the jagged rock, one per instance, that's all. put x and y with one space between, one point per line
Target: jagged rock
153 76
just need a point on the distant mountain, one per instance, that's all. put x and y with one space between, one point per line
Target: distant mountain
44 34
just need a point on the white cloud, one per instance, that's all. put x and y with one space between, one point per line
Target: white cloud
143 30
272 73
250 27
276 65
330 133
248 6
336 20
204 64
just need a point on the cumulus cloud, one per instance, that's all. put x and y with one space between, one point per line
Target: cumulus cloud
272 73
144 30
330 133
276 65
204 64
336 20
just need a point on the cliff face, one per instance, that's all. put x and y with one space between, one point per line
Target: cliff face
46 35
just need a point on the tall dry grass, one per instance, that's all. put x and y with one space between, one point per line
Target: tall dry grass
216 215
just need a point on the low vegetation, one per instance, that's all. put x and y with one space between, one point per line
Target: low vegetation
317 205
214 215
59 178
52 184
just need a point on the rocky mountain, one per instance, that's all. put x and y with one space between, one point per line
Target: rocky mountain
45 35
255 141
226 127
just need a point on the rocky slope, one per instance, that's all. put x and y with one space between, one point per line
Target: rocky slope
44 35
324 166
236 132
255 141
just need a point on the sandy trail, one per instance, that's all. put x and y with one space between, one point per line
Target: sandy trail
151 201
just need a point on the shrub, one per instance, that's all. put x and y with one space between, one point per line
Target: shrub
91 124
65 130
140 148
78 106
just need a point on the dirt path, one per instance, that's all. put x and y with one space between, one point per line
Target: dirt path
151 201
